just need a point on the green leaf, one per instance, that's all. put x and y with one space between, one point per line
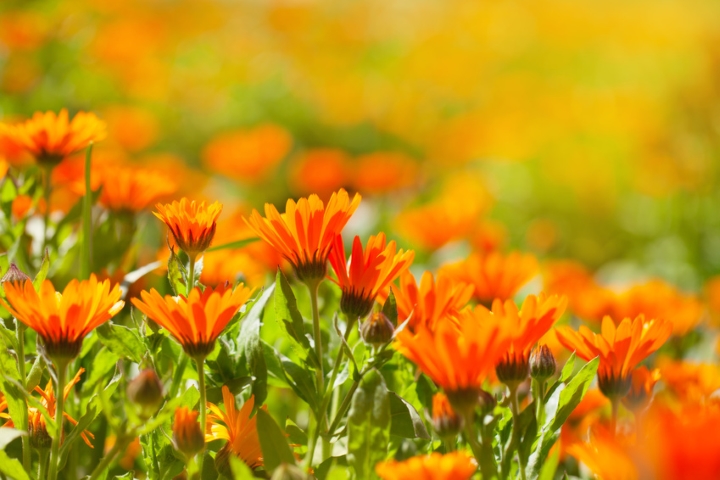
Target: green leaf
10 385
240 470
296 434
251 348
550 466
390 308
287 313
102 363
42 273
273 442
36 372
7 435
301 381
122 341
176 273
369 425
12 467
574 392
405 420
568 369
233 245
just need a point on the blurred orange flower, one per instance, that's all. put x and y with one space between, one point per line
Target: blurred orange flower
690 383
451 466
605 457
192 224
383 172
133 128
21 205
321 171
587 299
248 155
132 189
642 385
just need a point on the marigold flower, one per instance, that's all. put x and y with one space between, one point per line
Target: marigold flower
494 275
366 273
132 189
237 428
305 233
63 320
451 466
445 421
50 137
192 224
620 348
642 384
432 300
188 437
197 320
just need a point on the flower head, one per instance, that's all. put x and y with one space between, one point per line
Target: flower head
451 466
236 427
50 137
132 189
63 320
305 233
621 348
197 320
605 457
188 437
192 224
367 272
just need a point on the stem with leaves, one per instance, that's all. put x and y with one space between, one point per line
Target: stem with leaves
61 367
200 363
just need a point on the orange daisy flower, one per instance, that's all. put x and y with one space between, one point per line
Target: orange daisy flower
457 357
621 348
305 233
432 300
494 275
642 384
50 137
197 320
525 327
132 189
366 273
237 428
63 320
188 437
191 224
451 466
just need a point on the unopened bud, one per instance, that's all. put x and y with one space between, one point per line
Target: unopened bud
445 421
289 472
37 430
146 391
377 330
14 275
188 437
542 363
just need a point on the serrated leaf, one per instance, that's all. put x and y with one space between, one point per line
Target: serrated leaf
369 425
251 348
122 341
287 313
12 467
273 442
405 420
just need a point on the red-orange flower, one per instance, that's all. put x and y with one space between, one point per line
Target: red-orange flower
305 233
63 320
237 428
494 275
451 466
192 224
50 137
620 348
366 273
197 320
188 436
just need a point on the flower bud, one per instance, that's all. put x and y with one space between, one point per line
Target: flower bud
14 275
37 430
289 472
146 391
445 421
377 330
188 437
512 369
542 363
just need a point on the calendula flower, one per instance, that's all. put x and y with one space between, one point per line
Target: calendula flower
188 437
620 348
605 457
192 224
197 320
366 273
445 421
305 233
433 299
237 428
63 320
50 137
642 383
525 327
451 466
690 383
494 275
457 356
132 189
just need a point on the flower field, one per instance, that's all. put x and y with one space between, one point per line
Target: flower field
325 240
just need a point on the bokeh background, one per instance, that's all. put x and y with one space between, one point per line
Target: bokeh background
566 128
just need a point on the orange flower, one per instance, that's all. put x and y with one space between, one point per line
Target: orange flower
620 348
691 383
457 357
304 235
451 466
605 457
188 437
588 300
21 205
37 428
444 419
432 300
642 384
132 189
237 428
494 275
383 172
198 320
191 224
63 320
321 170
366 273
50 137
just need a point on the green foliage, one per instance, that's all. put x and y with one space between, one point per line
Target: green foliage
251 348
122 341
274 444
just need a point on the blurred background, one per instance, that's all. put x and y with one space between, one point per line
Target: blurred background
566 128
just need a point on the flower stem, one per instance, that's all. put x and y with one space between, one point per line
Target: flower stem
42 464
59 417
343 409
191 274
540 403
203 405
86 259
47 171
20 333
615 402
515 408
107 460
317 334
482 453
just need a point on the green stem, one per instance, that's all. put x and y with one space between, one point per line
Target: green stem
203 405
313 434
20 332
47 171
615 402
86 262
120 445
449 446
487 463
344 406
320 375
515 442
191 274
42 465
59 419
540 403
